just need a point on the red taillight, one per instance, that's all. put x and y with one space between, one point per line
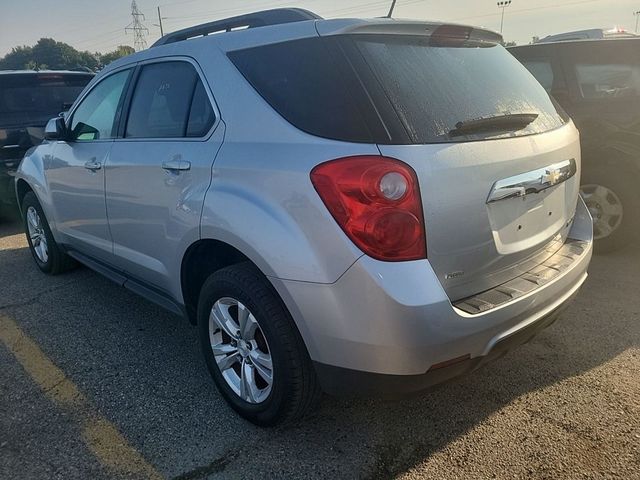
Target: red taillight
376 201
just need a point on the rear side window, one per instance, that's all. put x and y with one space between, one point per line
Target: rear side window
427 89
608 80
169 101
302 82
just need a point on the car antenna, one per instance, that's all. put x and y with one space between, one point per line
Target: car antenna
393 5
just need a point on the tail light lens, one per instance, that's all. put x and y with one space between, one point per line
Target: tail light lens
376 201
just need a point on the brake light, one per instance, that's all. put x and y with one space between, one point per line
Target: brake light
450 36
376 201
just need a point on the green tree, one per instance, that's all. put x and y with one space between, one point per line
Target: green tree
18 58
121 51
50 54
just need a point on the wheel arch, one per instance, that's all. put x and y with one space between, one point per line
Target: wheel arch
201 259
22 188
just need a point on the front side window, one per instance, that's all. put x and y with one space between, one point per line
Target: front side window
609 80
169 102
95 117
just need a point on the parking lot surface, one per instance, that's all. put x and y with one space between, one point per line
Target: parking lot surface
96 382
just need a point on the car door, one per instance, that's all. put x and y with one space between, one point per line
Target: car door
75 173
158 173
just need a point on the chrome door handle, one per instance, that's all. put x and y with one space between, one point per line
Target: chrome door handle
176 165
93 165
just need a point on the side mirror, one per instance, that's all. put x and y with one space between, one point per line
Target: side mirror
55 129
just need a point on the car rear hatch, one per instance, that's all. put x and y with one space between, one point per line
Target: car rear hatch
495 158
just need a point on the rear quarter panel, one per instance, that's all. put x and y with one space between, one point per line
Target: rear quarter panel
261 198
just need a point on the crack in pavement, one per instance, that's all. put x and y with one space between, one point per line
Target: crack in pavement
217 466
36 297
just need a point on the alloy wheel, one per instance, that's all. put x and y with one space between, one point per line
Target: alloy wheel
37 235
240 349
605 208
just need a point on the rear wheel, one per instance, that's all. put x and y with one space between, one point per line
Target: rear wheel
46 252
253 349
612 197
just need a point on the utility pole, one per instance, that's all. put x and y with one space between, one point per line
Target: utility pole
393 5
637 15
159 24
138 28
503 4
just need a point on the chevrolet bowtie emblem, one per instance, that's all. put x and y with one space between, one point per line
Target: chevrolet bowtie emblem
532 182
551 177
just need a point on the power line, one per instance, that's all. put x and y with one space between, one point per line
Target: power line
531 9
137 27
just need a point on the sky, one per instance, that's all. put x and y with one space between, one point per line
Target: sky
99 25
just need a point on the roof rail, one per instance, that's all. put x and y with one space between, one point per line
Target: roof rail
251 20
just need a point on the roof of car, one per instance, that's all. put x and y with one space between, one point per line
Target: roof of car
579 41
44 72
279 25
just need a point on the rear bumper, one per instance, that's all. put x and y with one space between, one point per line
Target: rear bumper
346 382
383 325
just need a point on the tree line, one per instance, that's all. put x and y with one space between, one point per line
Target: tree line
48 54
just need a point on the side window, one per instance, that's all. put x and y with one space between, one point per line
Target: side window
201 117
541 69
94 119
608 80
169 102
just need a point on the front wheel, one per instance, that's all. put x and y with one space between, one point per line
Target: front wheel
46 252
253 349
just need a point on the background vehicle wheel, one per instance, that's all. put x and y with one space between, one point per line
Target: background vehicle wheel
48 256
253 349
613 198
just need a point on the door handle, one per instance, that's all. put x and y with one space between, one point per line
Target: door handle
176 165
93 165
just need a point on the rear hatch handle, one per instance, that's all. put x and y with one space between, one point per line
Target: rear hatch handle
534 181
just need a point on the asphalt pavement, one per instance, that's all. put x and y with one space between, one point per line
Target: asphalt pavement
98 383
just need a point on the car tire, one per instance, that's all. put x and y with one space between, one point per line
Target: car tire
294 389
613 198
44 249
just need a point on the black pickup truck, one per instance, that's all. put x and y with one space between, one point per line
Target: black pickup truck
597 82
28 99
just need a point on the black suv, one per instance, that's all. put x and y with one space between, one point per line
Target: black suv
598 83
28 99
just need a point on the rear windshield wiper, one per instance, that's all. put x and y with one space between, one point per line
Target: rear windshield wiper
510 122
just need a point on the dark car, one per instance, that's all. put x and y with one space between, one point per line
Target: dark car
28 99
598 83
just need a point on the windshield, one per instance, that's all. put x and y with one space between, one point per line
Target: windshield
433 89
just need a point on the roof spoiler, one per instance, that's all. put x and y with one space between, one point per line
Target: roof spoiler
438 32
252 20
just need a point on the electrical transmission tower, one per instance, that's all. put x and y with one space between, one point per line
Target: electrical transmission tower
137 27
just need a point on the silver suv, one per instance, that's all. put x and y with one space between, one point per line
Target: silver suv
354 206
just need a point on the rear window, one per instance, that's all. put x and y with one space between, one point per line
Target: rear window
428 89
39 94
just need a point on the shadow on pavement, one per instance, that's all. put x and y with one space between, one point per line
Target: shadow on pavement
141 367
